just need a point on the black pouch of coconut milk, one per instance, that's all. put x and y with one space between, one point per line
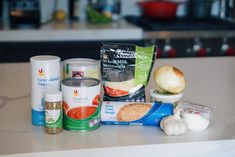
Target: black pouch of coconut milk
125 71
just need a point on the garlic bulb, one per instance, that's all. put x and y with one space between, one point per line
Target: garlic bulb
174 124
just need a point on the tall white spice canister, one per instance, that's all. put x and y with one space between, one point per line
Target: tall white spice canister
45 75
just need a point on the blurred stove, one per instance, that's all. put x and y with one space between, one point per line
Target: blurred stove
185 37
182 24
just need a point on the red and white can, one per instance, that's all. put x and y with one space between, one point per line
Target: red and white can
81 103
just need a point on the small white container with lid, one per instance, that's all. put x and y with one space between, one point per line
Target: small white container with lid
165 98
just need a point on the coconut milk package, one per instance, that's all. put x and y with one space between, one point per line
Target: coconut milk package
125 71
134 113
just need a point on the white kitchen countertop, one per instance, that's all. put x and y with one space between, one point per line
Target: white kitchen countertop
73 31
210 81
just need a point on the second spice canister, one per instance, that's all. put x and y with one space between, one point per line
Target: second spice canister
53 112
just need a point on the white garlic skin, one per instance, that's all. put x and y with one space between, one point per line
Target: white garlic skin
177 127
174 125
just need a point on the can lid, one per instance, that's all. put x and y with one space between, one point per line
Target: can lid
44 58
81 82
53 95
81 62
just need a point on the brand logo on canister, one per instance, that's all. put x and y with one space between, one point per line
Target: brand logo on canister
41 72
75 93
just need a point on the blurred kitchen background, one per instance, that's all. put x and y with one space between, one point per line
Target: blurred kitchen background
77 28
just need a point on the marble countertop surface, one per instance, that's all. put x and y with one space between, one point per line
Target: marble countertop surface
210 81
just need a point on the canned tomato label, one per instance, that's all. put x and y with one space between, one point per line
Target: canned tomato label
81 67
81 103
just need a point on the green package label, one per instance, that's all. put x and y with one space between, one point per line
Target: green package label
53 119
144 60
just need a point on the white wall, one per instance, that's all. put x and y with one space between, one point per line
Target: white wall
130 7
48 6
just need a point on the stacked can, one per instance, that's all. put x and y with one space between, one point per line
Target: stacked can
81 67
81 94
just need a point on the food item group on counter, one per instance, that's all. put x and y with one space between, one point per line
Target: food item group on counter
170 84
125 71
134 113
188 116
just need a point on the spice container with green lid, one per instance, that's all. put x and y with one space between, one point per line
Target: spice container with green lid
53 112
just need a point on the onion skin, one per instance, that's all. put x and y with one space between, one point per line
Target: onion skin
169 79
